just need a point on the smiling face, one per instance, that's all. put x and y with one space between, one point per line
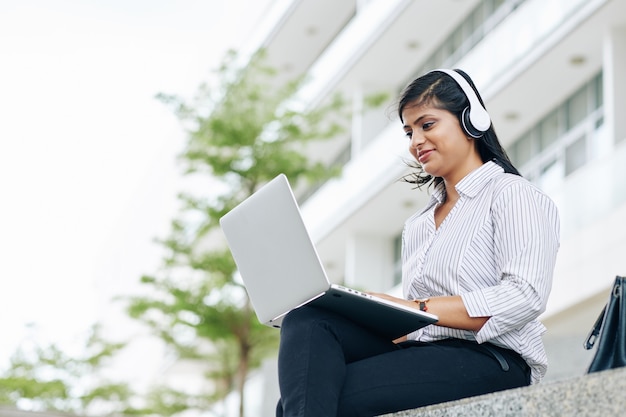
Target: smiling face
438 143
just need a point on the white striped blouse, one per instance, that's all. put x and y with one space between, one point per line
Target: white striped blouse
496 249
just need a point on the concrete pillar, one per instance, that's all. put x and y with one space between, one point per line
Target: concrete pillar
369 262
614 67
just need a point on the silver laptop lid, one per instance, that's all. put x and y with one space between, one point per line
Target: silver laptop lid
273 251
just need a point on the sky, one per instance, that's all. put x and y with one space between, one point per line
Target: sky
88 170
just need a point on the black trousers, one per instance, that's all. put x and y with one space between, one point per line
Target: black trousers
328 366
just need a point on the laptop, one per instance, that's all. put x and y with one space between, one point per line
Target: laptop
281 269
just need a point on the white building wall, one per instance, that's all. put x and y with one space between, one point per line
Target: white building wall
592 202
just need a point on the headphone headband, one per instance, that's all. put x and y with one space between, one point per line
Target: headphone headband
476 120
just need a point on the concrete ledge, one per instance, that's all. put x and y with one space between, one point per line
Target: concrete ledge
599 394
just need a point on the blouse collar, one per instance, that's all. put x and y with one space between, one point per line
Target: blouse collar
472 183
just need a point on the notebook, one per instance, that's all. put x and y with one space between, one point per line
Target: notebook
281 269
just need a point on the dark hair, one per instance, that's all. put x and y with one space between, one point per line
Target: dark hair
440 90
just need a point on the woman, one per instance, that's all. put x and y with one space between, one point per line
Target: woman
480 256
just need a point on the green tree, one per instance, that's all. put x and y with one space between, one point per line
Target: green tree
47 378
241 133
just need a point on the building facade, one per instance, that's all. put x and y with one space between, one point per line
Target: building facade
553 77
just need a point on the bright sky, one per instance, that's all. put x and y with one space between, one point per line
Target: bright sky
88 176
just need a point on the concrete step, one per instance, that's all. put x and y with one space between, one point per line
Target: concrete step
601 394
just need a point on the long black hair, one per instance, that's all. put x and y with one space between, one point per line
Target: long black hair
438 89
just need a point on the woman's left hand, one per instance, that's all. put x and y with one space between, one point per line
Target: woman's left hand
449 309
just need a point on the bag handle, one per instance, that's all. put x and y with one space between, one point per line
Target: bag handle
595 331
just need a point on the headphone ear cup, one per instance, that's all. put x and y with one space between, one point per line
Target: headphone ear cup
466 123
475 120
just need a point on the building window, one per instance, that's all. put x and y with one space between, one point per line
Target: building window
548 130
575 155
563 141
478 23
577 107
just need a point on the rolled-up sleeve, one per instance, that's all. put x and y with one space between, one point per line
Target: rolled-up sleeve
526 237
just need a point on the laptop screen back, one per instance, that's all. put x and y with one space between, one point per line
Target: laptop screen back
273 251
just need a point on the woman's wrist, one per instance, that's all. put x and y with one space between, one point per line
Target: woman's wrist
422 303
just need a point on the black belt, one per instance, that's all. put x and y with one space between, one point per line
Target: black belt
498 356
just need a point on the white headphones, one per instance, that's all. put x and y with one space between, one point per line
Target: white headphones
475 120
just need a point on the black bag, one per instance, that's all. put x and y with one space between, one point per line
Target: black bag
610 331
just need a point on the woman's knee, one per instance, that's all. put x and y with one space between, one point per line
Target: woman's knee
299 316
